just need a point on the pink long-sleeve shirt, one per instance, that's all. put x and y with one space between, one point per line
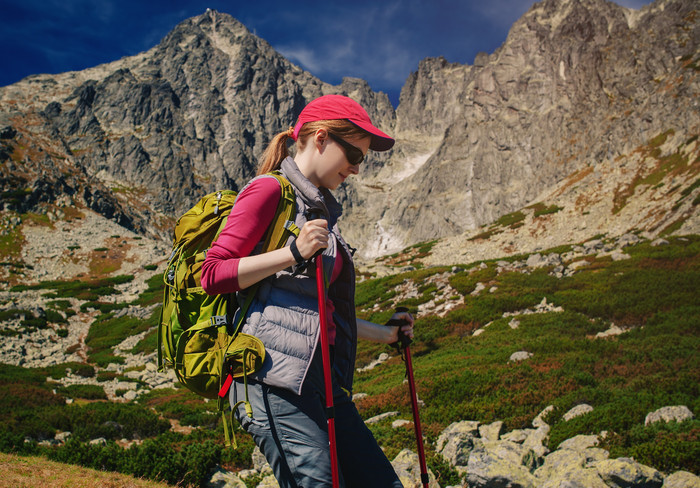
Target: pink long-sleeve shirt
249 219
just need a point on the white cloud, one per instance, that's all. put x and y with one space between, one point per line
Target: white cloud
303 56
635 4
502 12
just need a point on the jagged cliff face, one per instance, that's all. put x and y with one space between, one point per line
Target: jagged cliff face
152 133
577 83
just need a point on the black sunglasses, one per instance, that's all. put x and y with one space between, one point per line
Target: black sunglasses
354 154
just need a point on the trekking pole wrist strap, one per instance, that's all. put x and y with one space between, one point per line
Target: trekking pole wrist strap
295 252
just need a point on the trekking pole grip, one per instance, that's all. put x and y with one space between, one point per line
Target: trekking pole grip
403 340
315 214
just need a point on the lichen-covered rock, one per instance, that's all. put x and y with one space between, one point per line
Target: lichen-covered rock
492 431
407 467
498 465
682 479
580 442
456 442
626 472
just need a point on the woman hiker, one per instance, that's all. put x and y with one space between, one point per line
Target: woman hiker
333 134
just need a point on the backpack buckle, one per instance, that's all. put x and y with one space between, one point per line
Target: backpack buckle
219 320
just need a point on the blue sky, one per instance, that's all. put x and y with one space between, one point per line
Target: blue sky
379 41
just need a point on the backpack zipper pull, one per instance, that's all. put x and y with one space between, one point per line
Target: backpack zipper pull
218 200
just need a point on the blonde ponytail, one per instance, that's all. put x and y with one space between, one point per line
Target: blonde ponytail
275 152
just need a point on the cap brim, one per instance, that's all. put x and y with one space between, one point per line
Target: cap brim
380 140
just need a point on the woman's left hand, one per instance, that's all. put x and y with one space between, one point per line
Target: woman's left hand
407 328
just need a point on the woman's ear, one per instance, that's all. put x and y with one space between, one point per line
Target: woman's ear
320 138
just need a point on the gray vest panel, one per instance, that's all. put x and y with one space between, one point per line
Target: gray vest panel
284 314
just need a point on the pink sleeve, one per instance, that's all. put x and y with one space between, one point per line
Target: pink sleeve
246 225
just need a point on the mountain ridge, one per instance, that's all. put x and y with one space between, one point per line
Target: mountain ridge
523 125
577 83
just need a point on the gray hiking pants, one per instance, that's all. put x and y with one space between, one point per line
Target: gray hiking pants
292 432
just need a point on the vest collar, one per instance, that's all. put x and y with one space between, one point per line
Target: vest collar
314 198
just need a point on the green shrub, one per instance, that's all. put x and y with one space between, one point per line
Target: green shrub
104 307
547 210
445 473
13 313
153 459
88 392
465 281
184 406
83 290
153 293
106 376
34 322
84 370
55 317
667 446
149 343
511 219
108 420
108 331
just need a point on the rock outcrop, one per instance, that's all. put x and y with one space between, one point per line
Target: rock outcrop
576 84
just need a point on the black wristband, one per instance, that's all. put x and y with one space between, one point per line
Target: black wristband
295 252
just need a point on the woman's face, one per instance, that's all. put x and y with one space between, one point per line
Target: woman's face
333 166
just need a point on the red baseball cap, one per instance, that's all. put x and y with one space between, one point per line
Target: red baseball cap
335 107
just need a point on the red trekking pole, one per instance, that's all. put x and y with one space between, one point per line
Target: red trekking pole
330 410
403 346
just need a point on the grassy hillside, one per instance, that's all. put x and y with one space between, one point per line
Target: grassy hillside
653 295
29 471
173 436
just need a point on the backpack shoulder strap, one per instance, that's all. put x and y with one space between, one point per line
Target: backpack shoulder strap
283 223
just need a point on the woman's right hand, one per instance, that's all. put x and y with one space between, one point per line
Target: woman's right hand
313 236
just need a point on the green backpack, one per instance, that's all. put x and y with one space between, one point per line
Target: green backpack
197 336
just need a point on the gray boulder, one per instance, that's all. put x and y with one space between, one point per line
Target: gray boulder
498 465
269 482
535 447
518 435
456 442
566 468
669 414
626 472
577 411
539 420
492 431
580 442
407 467
681 479
260 463
520 356
225 479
